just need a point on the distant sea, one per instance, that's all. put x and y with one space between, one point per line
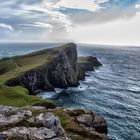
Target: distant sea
113 90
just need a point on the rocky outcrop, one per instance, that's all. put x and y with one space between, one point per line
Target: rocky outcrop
50 121
60 70
31 133
38 123
86 64
92 122
10 115
45 126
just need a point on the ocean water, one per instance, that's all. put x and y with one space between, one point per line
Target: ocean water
113 90
12 49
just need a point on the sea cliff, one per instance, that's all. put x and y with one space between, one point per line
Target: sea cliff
34 118
61 68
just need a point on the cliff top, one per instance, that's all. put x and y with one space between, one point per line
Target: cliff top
14 66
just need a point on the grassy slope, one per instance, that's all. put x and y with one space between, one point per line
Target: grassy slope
18 96
15 66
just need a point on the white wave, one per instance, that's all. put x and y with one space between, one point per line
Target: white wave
58 90
82 87
47 95
134 88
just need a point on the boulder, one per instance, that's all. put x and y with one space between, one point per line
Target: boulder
99 124
10 115
50 121
93 122
33 133
86 119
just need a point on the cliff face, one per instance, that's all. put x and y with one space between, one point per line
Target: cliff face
61 69
86 64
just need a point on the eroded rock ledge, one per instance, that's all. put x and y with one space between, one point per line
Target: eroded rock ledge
61 68
39 123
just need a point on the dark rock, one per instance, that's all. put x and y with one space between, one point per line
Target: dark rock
93 122
59 72
85 64
62 69
99 124
81 72
94 61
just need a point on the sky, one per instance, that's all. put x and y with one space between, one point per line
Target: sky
114 22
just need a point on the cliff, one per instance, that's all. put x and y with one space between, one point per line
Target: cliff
86 64
51 68
21 76
41 119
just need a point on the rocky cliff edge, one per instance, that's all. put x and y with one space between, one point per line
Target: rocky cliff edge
52 68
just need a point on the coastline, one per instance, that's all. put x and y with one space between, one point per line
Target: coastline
75 69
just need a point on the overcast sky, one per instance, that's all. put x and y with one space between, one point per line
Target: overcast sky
114 22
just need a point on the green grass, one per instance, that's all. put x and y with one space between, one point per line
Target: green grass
7 64
18 96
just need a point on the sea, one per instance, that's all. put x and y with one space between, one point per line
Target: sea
113 90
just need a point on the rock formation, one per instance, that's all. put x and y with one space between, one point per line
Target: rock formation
86 64
61 69
38 123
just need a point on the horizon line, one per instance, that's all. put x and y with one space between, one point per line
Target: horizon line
87 43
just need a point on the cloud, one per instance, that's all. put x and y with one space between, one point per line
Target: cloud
108 11
61 22
81 4
118 32
6 26
43 25
56 19
137 6
38 25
